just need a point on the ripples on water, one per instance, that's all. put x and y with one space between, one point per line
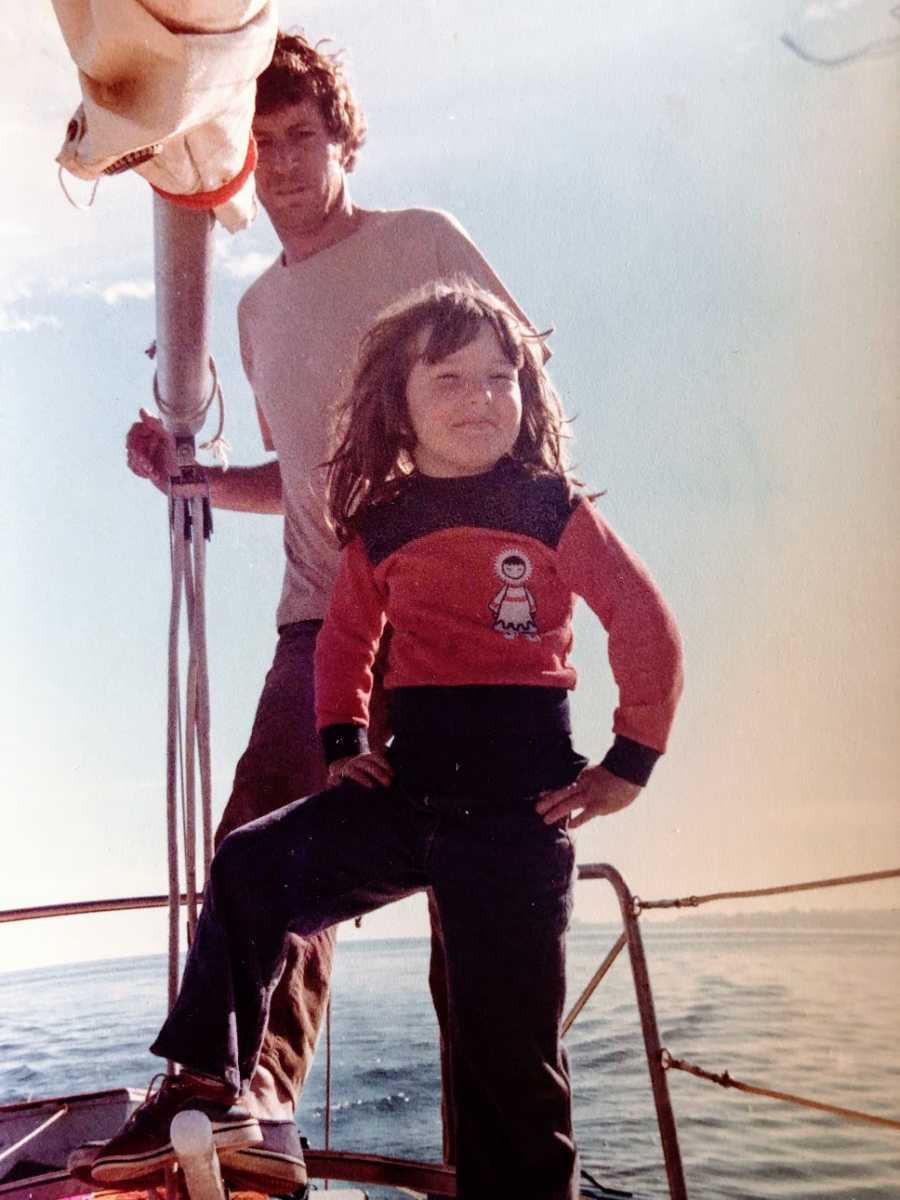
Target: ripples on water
812 1012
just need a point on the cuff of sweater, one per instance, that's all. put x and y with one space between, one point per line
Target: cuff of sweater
343 741
630 760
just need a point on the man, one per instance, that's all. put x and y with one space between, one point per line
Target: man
299 325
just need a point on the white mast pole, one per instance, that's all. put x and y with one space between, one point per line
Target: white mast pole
183 250
184 387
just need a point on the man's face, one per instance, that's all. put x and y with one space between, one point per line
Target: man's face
300 173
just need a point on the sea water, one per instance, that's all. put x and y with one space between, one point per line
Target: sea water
811 1011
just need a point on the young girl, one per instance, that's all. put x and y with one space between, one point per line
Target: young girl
463 532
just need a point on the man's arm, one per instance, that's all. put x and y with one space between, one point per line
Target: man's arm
246 489
151 455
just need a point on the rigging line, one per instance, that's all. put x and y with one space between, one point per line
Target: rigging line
61 176
783 889
23 1141
173 730
726 1081
217 444
595 981
182 771
195 499
196 742
327 1077
189 796
201 505
169 411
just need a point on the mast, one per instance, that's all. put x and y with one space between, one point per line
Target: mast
184 384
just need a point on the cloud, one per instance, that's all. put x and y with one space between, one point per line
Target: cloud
14 229
12 293
110 293
9 323
242 266
127 289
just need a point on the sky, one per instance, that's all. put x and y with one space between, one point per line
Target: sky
707 217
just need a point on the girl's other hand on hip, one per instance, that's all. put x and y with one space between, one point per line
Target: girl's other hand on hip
595 793
370 770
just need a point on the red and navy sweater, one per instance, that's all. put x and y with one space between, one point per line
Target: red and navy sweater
477 577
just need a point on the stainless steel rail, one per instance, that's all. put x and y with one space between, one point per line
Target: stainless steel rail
652 1045
78 908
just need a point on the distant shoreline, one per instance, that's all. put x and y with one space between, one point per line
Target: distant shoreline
880 920
824 920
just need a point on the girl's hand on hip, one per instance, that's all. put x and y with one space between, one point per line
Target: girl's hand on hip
596 793
370 770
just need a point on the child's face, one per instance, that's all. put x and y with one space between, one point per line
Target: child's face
466 409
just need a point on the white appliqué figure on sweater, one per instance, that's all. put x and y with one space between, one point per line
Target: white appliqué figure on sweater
513 607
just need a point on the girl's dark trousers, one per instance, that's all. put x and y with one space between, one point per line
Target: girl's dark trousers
502 881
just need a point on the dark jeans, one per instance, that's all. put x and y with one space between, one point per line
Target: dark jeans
282 762
502 882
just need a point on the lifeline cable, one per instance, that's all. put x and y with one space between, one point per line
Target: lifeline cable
725 1080
781 890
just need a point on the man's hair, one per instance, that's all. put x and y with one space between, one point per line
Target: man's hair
375 437
300 71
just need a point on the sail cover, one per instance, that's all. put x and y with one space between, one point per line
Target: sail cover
168 89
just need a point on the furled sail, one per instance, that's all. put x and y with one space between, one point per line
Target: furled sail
168 89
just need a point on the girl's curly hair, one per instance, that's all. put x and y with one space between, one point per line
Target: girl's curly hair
374 435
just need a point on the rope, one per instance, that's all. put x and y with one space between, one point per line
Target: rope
189 797
594 983
783 889
327 1078
61 176
217 443
204 201
189 526
202 528
726 1081
176 549
23 1141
